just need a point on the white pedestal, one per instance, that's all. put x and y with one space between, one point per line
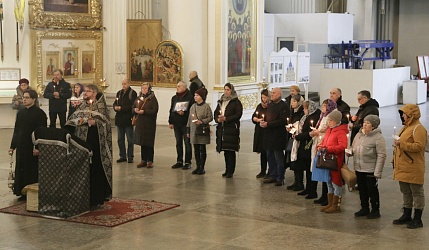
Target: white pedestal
414 92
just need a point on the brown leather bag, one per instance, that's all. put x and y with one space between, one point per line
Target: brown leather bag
327 160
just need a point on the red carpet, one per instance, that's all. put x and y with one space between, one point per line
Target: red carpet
115 212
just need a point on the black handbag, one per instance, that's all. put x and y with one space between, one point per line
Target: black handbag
201 129
327 160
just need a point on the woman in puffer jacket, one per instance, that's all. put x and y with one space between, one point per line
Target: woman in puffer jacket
369 156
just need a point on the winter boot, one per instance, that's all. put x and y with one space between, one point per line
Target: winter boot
375 213
299 181
196 170
330 200
324 197
405 218
201 170
336 203
417 220
362 212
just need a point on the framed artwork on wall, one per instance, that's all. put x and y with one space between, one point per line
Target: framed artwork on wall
168 64
87 63
65 14
51 63
70 62
241 41
143 36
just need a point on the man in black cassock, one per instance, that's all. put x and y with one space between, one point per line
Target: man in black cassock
91 123
27 121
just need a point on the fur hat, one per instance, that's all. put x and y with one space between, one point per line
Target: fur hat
295 87
335 116
201 92
373 119
23 80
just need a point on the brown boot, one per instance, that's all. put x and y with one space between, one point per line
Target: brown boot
330 199
142 164
336 203
150 164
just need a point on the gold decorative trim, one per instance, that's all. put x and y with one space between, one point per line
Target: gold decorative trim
249 101
37 37
39 18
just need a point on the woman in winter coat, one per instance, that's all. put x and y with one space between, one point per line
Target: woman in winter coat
409 165
76 98
317 134
296 112
303 152
146 109
17 100
200 113
227 115
335 142
258 137
369 156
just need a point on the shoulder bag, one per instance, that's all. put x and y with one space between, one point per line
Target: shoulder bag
134 119
201 129
327 160
349 176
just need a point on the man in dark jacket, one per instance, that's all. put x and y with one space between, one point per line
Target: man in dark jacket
57 91
123 107
177 120
275 136
342 106
196 83
368 106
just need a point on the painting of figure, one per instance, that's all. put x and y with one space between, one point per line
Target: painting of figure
70 58
73 6
51 63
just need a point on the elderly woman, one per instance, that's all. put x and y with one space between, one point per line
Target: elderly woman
17 100
409 165
227 115
369 155
334 142
76 98
146 109
258 136
199 114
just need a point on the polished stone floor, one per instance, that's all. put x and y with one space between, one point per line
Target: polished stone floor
219 213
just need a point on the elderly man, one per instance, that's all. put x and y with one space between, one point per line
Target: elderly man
196 83
368 106
275 136
342 106
123 107
177 120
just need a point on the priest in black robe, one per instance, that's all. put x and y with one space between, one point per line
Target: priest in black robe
91 123
27 121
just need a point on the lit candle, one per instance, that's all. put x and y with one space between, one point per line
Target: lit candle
311 123
138 102
394 130
90 108
263 116
257 114
287 120
348 118
117 101
220 112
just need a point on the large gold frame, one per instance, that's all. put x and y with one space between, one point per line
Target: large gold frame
37 50
39 18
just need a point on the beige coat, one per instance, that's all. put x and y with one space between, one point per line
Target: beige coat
409 155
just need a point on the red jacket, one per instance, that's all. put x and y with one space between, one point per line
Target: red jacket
335 141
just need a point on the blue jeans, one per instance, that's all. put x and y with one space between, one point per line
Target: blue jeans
334 189
277 164
181 136
122 131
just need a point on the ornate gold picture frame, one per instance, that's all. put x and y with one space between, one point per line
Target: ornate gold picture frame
241 41
67 16
51 62
82 43
168 64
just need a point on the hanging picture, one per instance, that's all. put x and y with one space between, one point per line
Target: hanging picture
51 63
71 65
87 63
168 64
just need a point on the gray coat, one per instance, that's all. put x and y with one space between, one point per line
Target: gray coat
202 112
369 152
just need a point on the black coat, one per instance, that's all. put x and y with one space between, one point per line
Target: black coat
26 168
176 119
368 108
196 84
228 132
126 101
144 133
258 136
344 108
64 89
275 133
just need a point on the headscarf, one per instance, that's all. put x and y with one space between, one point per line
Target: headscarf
311 109
331 105
233 94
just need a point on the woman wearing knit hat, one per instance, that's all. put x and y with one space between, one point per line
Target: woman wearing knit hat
199 114
335 142
227 116
17 101
369 155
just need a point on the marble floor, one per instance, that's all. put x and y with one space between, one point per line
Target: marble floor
219 213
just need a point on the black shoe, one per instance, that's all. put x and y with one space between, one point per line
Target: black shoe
130 161
324 203
201 171
375 213
260 175
186 166
298 188
279 183
195 171
121 160
177 165
229 176
270 181
305 192
362 212
405 218
291 187
311 196
224 174
321 199
22 198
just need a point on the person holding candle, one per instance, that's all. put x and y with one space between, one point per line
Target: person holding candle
369 156
57 92
201 113
177 120
303 144
123 108
146 109
77 97
91 123
409 165
227 115
258 136
368 106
